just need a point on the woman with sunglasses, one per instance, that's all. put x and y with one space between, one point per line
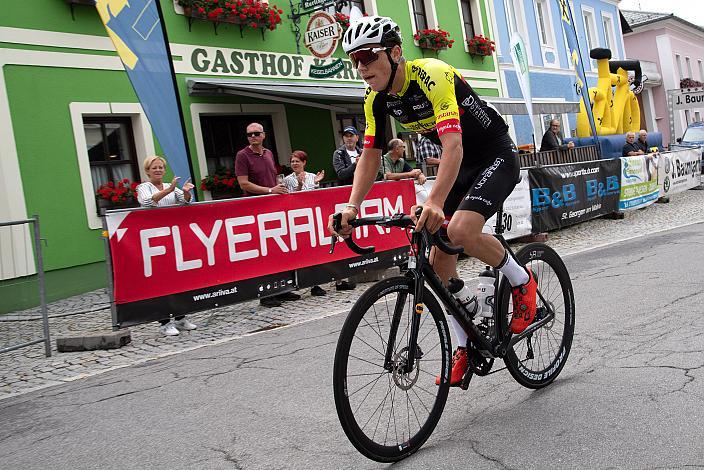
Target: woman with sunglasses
478 168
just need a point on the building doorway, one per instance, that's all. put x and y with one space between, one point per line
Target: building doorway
224 136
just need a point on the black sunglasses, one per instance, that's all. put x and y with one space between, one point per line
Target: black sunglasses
254 134
365 56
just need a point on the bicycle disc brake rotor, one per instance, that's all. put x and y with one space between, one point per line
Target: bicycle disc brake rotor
403 380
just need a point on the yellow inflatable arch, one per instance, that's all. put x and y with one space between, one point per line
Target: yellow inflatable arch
614 106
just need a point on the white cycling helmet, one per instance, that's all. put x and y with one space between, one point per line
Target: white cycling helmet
371 30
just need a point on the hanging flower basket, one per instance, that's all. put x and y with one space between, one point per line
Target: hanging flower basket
480 46
433 39
253 14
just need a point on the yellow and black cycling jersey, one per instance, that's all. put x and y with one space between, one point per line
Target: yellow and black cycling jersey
434 100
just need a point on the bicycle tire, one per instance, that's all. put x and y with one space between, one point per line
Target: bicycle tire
556 288
365 320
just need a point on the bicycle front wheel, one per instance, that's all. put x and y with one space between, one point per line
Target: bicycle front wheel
537 360
387 410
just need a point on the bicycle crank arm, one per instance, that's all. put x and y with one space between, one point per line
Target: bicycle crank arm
516 338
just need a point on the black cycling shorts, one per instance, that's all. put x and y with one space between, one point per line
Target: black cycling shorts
484 187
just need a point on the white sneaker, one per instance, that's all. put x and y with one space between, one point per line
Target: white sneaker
185 325
169 329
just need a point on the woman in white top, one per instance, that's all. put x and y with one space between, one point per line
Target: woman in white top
300 179
156 193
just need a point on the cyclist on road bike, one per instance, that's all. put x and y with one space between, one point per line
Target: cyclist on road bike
479 166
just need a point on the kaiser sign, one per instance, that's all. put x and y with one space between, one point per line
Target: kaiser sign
322 34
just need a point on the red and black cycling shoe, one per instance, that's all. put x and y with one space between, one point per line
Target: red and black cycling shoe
524 304
459 367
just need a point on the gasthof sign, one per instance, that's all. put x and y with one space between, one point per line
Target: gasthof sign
322 34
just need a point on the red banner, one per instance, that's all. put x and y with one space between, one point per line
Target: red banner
163 251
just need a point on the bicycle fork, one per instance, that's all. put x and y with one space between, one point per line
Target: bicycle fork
412 351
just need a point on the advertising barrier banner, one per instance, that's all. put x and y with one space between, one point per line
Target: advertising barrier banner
639 181
563 195
517 214
679 171
180 259
517 211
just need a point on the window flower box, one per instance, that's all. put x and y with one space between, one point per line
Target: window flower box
433 39
117 195
254 14
480 46
222 184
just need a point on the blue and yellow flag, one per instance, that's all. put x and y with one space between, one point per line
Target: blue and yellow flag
136 30
575 56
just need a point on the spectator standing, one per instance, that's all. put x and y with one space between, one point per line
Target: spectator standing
344 159
394 167
301 180
553 139
427 151
256 174
157 193
631 148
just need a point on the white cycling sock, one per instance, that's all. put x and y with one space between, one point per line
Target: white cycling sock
460 334
516 274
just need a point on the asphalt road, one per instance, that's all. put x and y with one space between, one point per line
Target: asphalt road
630 396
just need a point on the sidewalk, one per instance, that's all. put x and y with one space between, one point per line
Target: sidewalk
27 369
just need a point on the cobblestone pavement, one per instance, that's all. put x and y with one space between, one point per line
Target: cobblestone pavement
27 369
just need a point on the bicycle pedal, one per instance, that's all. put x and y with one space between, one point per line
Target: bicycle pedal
464 384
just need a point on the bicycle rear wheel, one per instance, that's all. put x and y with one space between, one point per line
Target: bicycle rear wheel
388 413
538 359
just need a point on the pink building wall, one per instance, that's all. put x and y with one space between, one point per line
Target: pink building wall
661 42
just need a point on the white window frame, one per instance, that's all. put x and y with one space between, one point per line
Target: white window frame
474 5
369 7
610 33
690 72
431 16
551 45
278 120
564 125
678 60
143 141
697 116
590 30
518 8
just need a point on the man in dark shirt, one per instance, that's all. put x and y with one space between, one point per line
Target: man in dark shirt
553 139
255 167
256 174
643 141
344 159
631 149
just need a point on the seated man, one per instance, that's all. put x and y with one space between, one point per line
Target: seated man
393 167
631 149
643 142
553 139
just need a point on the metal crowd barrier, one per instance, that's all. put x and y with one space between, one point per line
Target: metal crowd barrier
550 157
14 327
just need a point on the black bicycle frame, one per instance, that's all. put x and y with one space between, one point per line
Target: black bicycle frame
422 272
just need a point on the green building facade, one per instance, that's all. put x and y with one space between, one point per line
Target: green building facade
70 120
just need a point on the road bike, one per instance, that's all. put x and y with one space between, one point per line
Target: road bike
395 341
